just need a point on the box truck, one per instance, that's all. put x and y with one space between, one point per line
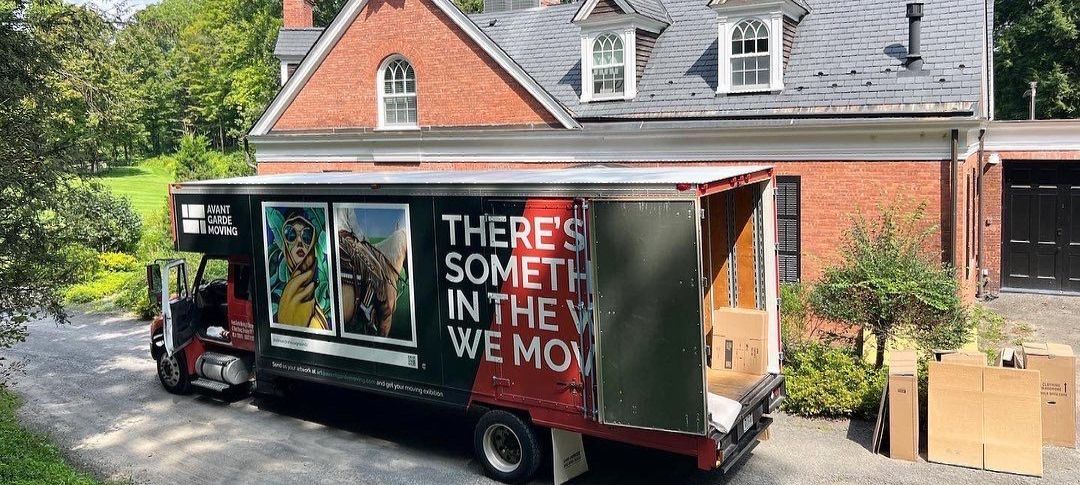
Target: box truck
586 301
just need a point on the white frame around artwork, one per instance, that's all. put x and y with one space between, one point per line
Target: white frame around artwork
331 318
408 266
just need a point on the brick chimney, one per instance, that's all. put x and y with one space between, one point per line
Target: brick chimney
298 14
550 3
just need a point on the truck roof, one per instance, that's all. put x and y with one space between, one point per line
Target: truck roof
590 176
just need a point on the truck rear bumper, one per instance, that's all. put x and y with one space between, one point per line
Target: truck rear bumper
754 419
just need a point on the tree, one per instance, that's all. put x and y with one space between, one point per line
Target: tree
1036 40
37 146
886 282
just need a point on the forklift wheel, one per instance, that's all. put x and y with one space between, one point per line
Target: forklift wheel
172 372
507 446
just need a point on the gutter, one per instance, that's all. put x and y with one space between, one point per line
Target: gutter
980 290
953 190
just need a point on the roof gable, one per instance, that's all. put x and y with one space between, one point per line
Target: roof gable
314 97
649 9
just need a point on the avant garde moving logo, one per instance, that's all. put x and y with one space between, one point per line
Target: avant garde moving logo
212 219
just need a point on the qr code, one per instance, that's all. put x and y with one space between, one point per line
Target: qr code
412 361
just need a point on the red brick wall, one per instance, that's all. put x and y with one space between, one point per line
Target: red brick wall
832 192
458 84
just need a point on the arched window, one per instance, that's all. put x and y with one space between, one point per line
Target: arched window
397 93
750 54
609 68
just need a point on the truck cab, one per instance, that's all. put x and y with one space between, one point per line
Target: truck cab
204 335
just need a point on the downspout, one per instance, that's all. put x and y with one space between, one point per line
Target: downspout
980 288
955 135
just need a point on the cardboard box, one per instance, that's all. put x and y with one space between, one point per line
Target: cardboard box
903 363
1012 421
1056 364
955 414
738 340
964 357
904 417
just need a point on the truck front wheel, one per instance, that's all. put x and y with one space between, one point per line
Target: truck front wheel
507 446
172 372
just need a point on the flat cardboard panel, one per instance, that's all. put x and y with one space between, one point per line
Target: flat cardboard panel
903 417
1057 368
739 340
1012 421
955 415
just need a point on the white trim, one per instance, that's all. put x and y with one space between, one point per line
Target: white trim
284 72
345 19
408 265
628 35
922 140
331 318
774 22
1035 136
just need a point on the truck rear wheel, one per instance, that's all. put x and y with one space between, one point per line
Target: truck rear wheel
507 446
172 372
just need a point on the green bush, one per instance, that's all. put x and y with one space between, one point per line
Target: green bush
794 313
117 262
195 161
132 296
824 381
101 220
103 285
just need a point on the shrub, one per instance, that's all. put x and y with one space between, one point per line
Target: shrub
794 313
887 282
194 161
132 296
101 286
826 381
117 262
101 220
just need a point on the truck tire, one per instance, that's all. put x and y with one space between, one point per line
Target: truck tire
172 371
507 446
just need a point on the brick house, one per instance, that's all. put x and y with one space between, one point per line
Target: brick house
856 103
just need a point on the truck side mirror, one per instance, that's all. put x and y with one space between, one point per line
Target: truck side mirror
153 282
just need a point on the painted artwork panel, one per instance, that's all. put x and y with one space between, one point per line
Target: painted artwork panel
375 290
297 249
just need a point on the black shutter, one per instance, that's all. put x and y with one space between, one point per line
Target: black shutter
787 227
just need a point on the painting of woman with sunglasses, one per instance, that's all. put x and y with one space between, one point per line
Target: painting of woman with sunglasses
298 267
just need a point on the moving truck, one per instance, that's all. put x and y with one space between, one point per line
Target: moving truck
582 301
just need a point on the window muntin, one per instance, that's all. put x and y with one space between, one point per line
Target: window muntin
609 66
750 59
398 94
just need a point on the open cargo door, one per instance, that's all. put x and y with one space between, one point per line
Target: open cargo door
649 329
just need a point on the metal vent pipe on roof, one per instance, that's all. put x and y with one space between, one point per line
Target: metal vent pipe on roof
914 55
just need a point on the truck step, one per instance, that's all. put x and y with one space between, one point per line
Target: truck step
211 385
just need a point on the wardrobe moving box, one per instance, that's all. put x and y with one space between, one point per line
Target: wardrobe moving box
738 340
1057 368
955 414
903 415
1012 421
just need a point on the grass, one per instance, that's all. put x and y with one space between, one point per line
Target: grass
27 458
145 184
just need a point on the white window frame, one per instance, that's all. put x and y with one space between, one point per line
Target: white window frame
380 89
628 35
774 22
735 30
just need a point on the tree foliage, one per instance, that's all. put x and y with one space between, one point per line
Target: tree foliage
1036 40
887 283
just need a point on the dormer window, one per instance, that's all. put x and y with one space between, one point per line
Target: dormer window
397 94
755 39
612 58
750 58
609 67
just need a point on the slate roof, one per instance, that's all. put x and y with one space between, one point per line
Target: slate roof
653 9
847 60
295 43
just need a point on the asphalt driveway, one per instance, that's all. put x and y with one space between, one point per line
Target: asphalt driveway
91 386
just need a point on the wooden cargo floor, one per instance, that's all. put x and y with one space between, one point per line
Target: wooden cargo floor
732 385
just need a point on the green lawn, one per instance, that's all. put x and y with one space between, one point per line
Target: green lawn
26 458
146 185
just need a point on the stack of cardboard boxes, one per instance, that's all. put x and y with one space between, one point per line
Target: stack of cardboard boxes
998 418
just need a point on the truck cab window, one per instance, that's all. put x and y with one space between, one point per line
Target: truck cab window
242 281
